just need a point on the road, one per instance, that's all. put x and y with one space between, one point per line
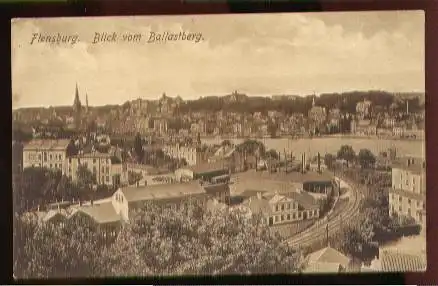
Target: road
318 231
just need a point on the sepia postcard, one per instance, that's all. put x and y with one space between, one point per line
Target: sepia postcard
219 144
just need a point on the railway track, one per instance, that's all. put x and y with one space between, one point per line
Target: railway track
335 221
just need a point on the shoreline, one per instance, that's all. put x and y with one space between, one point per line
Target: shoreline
337 136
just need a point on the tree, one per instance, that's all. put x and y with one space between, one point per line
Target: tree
252 147
272 128
272 154
134 177
71 149
366 159
226 143
86 178
138 148
190 241
158 241
346 153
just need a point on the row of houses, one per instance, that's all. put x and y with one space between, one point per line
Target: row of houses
113 212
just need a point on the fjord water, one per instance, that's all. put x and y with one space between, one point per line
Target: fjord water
312 146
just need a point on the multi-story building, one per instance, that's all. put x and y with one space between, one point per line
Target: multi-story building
160 126
100 164
192 154
50 154
407 196
283 208
363 108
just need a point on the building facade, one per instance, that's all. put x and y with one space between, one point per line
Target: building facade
49 154
283 208
100 164
192 154
407 196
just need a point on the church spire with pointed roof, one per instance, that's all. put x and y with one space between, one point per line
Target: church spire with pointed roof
77 101
77 108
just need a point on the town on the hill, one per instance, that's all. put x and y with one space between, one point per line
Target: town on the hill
220 185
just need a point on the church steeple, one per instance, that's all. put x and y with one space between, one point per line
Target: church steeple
77 101
77 108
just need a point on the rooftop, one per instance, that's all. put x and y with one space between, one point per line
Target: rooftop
47 144
416 165
292 177
162 191
401 262
323 267
302 198
94 154
208 167
101 213
328 255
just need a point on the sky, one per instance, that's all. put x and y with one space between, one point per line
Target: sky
256 54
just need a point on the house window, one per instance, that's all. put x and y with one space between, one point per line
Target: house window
282 207
409 201
288 217
94 161
400 199
50 166
282 217
294 215
409 212
276 218
50 157
276 208
287 206
107 178
45 156
399 208
69 160
56 166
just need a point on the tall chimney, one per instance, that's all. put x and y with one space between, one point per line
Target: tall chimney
319 162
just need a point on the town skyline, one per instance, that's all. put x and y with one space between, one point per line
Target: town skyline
367 50
84 97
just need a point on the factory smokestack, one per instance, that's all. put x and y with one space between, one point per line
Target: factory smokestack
304 162
319 162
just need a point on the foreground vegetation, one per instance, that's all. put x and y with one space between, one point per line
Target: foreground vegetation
158 241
